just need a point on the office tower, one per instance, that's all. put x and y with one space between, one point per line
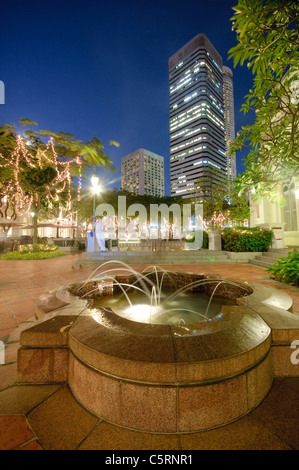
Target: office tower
229 120
142 172
196 114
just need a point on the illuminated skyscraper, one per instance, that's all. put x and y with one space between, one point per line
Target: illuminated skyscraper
142 172
196 114
229 120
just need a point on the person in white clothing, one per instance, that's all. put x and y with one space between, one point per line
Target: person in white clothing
100 235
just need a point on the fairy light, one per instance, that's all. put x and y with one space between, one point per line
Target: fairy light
79 163
218 220
21 158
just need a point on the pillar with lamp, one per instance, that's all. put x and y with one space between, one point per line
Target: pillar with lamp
95 188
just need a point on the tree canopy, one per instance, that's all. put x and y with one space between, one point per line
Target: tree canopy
267 35
37 167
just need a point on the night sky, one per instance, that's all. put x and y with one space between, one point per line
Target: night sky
100 68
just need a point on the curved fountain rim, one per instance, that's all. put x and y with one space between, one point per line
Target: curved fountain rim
64 294
261 294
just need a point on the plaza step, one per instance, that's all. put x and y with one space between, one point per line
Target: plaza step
267 259
262 263
156 257
277 252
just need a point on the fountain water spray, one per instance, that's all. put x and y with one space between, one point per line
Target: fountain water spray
156 305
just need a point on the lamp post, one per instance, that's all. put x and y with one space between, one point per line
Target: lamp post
95 189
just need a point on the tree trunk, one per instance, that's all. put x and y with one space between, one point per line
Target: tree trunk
35 229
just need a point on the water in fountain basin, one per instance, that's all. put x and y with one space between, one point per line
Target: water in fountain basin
183 308
149 301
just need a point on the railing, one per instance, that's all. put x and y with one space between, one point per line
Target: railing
75 243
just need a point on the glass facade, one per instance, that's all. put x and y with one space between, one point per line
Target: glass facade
196 118
229 120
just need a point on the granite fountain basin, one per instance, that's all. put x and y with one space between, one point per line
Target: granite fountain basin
164 378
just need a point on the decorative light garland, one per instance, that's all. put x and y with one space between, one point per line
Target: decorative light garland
21 158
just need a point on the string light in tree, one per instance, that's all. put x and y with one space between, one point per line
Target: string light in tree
19 192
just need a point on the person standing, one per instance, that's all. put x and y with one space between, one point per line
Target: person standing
100 234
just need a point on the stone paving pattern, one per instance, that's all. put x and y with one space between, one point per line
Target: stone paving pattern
37 417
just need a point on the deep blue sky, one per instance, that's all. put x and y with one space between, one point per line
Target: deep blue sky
100 68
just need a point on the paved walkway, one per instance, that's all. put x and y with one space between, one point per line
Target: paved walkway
48 416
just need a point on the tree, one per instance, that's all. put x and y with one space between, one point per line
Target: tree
37 169
211 190
220 206
238 208
267 34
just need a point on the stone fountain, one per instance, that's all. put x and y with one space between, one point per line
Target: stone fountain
171 377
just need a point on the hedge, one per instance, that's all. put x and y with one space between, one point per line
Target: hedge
33 252
246 239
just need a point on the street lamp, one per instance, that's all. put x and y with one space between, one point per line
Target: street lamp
95 189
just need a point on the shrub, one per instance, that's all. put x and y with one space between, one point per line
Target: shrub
286 269
246 239
205 240
39 248
31 252
42 240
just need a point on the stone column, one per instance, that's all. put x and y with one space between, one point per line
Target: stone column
215 240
